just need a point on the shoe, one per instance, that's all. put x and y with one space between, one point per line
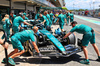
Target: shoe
85 62
40 55
98 58
3 61
11 61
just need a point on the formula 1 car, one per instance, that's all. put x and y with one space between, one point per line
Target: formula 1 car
52 45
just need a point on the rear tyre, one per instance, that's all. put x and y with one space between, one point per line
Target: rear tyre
72 39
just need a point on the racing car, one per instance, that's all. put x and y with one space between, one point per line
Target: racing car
50 44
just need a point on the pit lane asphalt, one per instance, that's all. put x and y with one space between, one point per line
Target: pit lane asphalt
73 60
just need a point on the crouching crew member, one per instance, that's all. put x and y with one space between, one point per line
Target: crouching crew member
17 21
88 36
16 40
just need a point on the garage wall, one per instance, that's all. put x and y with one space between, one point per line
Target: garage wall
4 3
18 5
30 8
14 5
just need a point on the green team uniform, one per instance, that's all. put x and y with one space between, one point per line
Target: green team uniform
67 18
44 18
55 20
6 28
23 36
51 16
37 16
88 35
26 18
24 14
17 21
12 18
71 17
48 17
61 20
